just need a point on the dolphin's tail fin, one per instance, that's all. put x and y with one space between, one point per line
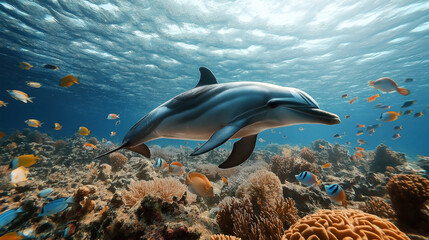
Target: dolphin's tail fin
114 150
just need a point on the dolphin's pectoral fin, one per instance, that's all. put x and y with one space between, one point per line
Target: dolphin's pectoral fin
219 137
142 149
240 152
206 78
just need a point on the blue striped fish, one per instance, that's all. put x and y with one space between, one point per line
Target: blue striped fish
307 178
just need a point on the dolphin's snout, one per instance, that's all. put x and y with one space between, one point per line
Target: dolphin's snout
322 116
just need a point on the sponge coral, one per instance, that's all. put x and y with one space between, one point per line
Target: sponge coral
308 155
287 167
408 194
118 161
343 224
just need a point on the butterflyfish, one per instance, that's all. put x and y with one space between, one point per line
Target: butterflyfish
307 178
160 164
20 96
200 184
68 80
336 194
24 161
83 131
388 85
175 168
18 175
389 116
25 65
57 126
33 123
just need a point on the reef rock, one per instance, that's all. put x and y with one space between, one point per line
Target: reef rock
385 157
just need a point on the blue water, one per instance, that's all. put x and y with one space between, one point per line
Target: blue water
133 56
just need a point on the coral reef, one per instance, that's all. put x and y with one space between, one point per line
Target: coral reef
223 237
385 157
117 161
310 199
212 172
165 188
377 206
308 155
409 195
343 224
287 167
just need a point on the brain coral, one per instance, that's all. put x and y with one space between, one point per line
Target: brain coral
343 224
409 193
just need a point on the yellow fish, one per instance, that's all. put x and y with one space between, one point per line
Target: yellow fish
33 84
200 184
33 123
83 131
68 80
18 175
20 96
24 161
3 104
57 126
25 65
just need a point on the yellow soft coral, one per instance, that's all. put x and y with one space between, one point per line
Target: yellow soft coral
343 224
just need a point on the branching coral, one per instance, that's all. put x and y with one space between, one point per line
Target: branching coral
262 188
223 237
241 218
343 224
308 155
164 188
409 193
377 206
385 157
118 161
287 167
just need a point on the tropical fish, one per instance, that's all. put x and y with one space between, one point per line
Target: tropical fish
11 236
18 175
83 131
2 134
344 95
353 100
418 114
276 106
372 98
390 168
25 65
304 149
326 165
408 104
421 156
175 168
56 206
336 194
396 136
301 129
160 164
45 192
408 112
307 178
200 184
112 116
33 123
359 149
360 141
20 96
24 161
224 181
8 216
359 155
397 128
89 146
3 104
360 126
320 146
68 80
389 116
112 133
381 106
371 132
57 126
407 80
339 136
372 127
360 132
33 84
347 116
117 122
51 66
385 84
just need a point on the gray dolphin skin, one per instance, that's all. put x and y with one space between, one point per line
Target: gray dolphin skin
217 112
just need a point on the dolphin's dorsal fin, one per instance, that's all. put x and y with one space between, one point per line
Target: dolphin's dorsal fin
207 77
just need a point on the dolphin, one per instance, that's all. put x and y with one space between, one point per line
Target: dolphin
217 112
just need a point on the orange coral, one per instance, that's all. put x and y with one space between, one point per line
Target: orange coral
164 188
408 194
308 155
343 224
379 207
